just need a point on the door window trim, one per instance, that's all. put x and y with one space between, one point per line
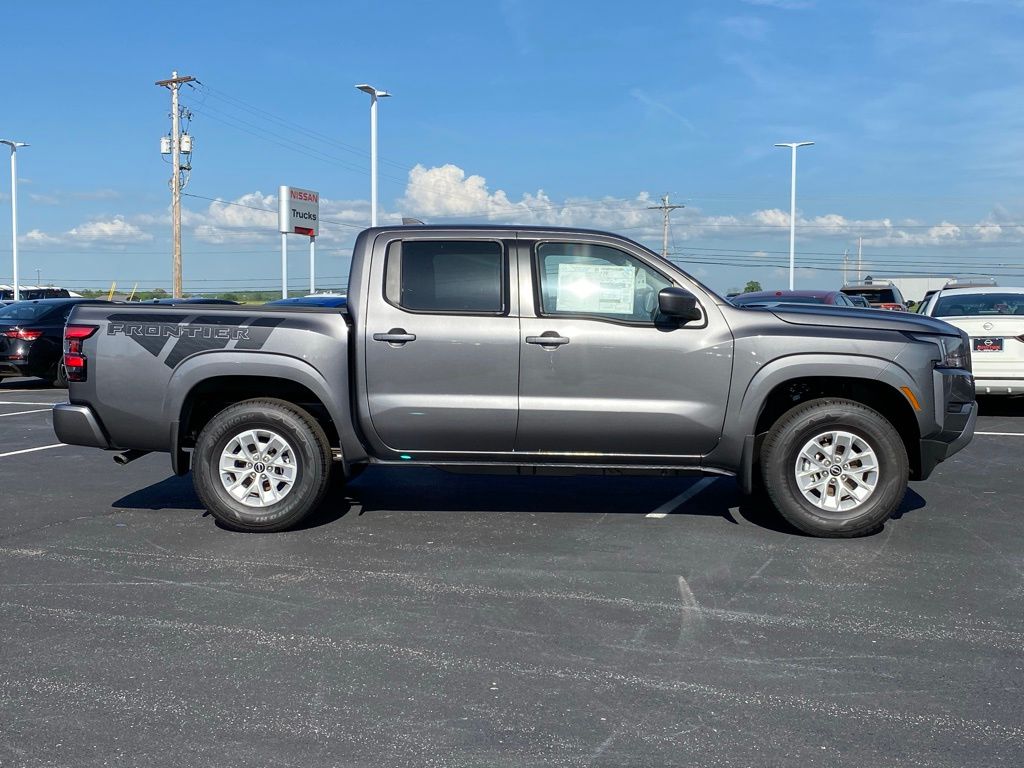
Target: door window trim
503 245
538 305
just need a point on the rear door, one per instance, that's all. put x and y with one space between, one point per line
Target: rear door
601 372
442 345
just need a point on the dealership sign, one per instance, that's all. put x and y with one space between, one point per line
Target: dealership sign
298 211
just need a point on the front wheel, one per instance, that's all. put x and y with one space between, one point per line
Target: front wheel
261 465
834 468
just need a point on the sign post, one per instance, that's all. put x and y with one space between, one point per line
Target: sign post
298 212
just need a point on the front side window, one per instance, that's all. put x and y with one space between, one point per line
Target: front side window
446 276
596 281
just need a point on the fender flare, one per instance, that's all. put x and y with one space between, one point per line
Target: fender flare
219 363
741 452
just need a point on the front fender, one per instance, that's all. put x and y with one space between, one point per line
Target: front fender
737 451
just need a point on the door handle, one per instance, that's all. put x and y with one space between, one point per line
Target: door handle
395 336
548 339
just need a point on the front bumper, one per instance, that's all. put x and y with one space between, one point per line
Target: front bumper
956 414
78 425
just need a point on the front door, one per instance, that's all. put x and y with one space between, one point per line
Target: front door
602 372
442 346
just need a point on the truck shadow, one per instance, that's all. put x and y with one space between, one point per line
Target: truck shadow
434 491
429 490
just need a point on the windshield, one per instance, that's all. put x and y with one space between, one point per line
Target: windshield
976 304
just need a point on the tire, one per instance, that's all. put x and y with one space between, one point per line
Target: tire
60 376
828 498
276 458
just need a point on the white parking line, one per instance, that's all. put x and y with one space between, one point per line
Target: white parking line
22 413
1001 434
682 498
31 450
24 402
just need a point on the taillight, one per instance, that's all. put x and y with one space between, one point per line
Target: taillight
23 334
74 360
891 306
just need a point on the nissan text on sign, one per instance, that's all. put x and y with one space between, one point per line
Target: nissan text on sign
298 211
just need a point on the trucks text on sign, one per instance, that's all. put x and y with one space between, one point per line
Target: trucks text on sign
298 211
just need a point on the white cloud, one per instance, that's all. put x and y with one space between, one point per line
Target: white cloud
38 237
447 192
117 229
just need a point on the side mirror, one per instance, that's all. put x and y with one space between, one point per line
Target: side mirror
678 303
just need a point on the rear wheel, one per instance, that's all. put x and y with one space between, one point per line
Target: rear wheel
261 465
834 468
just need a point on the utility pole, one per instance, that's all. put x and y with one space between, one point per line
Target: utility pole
14 145
666 211
173 84
860 259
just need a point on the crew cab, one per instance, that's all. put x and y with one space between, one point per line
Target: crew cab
523 350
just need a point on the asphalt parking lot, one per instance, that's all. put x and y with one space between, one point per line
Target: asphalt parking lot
427 619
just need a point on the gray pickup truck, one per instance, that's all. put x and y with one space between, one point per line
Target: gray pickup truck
529 351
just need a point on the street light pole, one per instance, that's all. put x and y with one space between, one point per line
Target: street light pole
374 95
792 209
14 207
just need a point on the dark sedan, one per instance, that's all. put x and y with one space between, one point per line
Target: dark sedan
771 298
32 338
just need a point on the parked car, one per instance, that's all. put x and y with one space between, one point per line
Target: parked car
31 336
314 300
878 294
194 300
857 301
994 319
771 298
532 350
35 292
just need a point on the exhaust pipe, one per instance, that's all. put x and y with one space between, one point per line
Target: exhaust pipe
127 457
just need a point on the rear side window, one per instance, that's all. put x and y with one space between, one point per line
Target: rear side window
447 276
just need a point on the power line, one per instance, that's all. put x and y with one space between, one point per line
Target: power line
317 135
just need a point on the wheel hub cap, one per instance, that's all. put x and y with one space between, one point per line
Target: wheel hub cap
837 471
258 467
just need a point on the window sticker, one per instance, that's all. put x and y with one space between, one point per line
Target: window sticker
596 289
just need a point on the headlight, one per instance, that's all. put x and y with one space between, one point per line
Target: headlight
954 351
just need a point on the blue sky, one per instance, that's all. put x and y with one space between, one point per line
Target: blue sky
579 113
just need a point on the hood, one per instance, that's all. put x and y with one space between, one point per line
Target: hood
849 317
